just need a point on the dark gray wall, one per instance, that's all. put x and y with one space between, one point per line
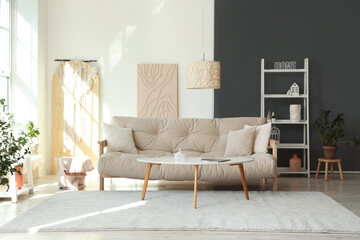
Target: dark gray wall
325 31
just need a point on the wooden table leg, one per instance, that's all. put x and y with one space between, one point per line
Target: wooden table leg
332 169
148 169
195 185
340 171
326 170
243 179
318 169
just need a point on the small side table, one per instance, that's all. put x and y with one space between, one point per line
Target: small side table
331 161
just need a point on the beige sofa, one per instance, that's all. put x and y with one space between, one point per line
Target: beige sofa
156 137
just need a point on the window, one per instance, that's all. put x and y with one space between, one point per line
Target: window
5 49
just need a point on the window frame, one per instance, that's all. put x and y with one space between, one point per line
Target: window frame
7 72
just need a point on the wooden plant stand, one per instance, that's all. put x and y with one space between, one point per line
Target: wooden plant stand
327 161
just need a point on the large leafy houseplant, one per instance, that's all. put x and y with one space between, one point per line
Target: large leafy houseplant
332 133
13 144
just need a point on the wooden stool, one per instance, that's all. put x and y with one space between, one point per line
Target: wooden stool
327 161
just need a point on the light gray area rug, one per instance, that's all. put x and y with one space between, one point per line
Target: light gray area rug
173 210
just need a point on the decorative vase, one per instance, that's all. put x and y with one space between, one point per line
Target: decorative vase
268 117
295 163
295 112
19 179
179 156
329 152
34 148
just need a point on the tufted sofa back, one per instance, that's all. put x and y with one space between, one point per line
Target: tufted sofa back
194 136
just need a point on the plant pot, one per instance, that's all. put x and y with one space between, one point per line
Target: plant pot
295 163
329 151
34 148
19 179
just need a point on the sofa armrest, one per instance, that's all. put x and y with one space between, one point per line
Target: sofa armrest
273 144
102 145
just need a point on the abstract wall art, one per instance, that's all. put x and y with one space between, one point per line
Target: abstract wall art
157 90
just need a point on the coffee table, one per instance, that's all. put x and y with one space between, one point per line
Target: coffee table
196 161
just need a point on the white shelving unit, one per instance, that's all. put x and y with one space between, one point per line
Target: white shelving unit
305 145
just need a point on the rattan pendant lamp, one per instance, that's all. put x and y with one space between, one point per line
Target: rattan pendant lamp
203 74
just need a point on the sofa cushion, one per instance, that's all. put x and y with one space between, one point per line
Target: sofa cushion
240 142
195 136
263 166
262 137
118 164
126 165
119 139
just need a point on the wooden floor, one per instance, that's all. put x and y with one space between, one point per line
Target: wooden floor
347 193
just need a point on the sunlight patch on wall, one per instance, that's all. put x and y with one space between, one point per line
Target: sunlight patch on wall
115 51
129 31
23 31
158 8
25 80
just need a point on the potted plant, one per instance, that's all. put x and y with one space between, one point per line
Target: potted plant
332 133
33 132
13 144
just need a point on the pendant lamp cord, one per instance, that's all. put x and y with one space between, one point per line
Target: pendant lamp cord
203 27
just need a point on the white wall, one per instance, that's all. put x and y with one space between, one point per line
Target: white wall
123 33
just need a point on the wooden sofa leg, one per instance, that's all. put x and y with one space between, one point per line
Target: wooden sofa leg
275 183
101 182
264 181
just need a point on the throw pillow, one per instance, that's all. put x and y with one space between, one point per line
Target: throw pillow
262 137
240 143
119 139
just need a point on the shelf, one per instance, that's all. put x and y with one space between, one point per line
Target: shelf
286 170
284 70
284 96
287 121
280 97
292 146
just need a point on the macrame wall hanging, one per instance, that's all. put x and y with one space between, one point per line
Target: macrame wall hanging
75 111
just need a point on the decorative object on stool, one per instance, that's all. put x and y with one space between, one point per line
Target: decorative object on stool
295 112
294 89
327 161
72 172
295 163
19 178
329 151
332 133
275 133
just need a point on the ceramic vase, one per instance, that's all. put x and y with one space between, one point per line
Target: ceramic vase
295 112
295 163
